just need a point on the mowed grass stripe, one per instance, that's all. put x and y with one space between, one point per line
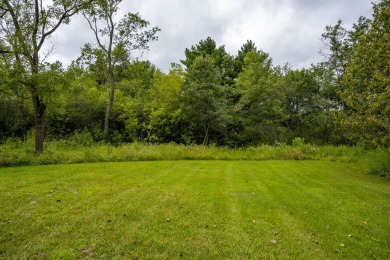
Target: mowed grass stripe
272 221
331 209
194 209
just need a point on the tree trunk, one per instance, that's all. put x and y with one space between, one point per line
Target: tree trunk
39 110
110 103
206 134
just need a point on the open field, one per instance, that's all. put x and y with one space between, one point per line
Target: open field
194 209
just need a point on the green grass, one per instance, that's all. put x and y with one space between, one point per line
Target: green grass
194 209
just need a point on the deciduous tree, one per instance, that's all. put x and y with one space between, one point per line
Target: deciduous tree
366 83
25 27
117 39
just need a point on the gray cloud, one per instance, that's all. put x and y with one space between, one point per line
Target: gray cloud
288 29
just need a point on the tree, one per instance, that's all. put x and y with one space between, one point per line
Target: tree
247 47
306 107
136 80
117 40
25 26
338 47
80 105
203 99
222 59
164 106
328 103
259 103
204 48
366 83
15 115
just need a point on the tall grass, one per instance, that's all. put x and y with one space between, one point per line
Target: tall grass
62 152
82 149
378 163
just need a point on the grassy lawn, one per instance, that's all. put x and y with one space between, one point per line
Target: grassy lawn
194 209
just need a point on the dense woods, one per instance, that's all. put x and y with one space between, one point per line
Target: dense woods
210 97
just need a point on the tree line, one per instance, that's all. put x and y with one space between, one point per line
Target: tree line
210 97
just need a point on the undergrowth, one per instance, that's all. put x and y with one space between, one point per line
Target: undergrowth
84 150
378 163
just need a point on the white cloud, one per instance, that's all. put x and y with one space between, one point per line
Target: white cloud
288 30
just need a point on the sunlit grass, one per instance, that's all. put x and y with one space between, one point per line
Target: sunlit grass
194 209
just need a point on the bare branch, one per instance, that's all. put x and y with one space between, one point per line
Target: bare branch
94 28
111 27
3 10
47 54
67 13
3 13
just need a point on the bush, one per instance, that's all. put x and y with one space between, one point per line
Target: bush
379 163
83 139
297 142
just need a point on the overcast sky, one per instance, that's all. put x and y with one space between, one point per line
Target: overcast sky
289 30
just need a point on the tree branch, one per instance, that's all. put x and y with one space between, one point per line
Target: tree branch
6 52
46 55
18 30
44 25
36 25
67 13
94 28
3 13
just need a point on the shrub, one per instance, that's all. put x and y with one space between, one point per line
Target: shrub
83 138
297 141
379 163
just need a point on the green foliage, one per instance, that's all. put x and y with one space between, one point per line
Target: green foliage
203 100
207 47
164 106
378 163
116 42
16 117
82 139
132 109
94 61
25 28
308 104
80 106
82 147
219 99
298 142
335 39
259 103
222 59
133 33
136 78
366 83
239 60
